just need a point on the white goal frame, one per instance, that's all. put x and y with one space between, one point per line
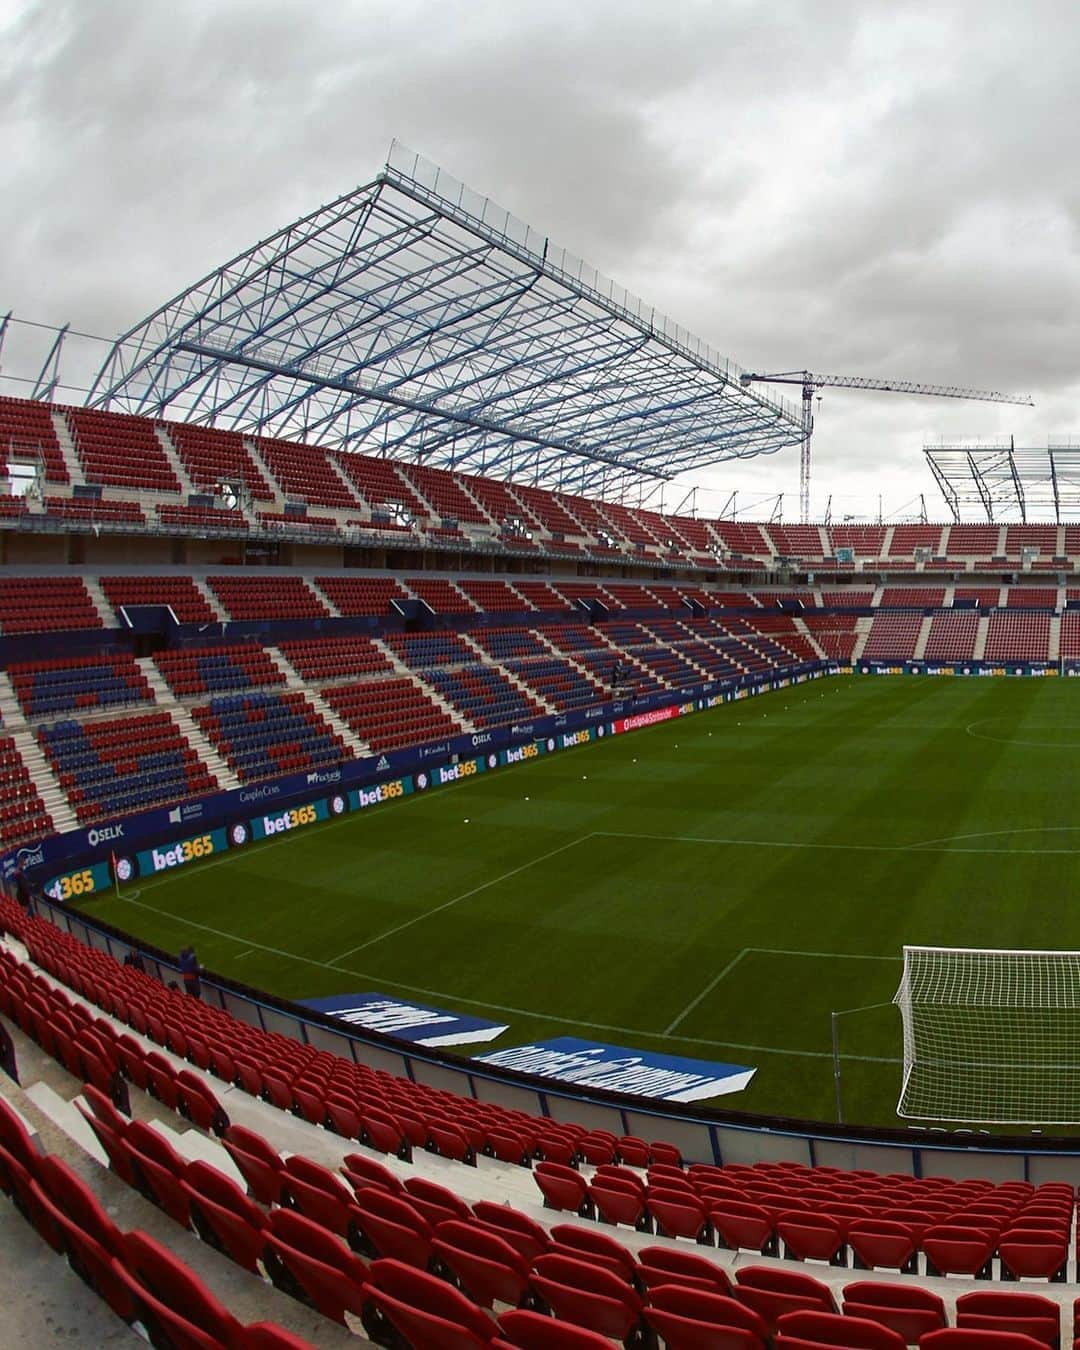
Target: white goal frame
991 1036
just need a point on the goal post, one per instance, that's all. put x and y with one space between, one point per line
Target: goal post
990 1036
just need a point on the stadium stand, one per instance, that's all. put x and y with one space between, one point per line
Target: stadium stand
1018 636
27 435
38 604
952 636
215 458
262 734
267 597
191 671
390 714
893 636
305 473
22 812
123 764
361 595
178 592
120 451
44 688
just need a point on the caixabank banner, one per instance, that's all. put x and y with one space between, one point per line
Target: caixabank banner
641 1073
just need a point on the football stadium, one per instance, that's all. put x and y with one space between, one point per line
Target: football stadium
456 897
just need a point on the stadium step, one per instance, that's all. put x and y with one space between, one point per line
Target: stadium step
104 609
408 673
980 638
175 462
921 640
886 543
508 675
360 748
346 482
11 713
272 483
66 1116
211 599
326 600
1054 649
187 724
862 629
72 462
48 787
801 628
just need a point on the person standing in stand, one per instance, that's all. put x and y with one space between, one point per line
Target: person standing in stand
189 972
23 891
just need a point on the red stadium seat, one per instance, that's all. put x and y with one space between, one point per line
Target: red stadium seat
313 1265
1008 1310
799 1329
695 1319
909 1309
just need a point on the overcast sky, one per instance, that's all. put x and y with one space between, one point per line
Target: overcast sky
861 188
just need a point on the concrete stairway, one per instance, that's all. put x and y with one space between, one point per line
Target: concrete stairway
175 462
508 675
46 782
804 631
187 724
400 668
211 599
101 604
921 640
72 462
862 630
980 638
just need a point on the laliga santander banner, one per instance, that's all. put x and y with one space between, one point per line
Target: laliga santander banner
648 719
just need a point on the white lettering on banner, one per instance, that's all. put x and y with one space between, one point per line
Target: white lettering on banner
104 834
390 1017
521 753
385 792
456 771
646 719
619 1075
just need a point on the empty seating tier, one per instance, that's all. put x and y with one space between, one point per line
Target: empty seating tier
973 541
1017 636
442 596
336 658
492 597
45 688
907 538
268 597
912 597
180 593
28 438
1032 597
305 473
22 812
483 695
381 486
390 714
952 635
217 459
263 735
796 541
120 450
982 597
35 604
446 496
202 518
361 595
91 509
192 671
893 637
127 764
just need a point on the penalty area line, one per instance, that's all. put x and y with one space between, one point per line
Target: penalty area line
443 995
457 899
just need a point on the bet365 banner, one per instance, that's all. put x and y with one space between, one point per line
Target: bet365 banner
641 1073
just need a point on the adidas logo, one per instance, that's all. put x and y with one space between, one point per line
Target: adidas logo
382 763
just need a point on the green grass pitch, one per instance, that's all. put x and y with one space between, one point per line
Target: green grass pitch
713 886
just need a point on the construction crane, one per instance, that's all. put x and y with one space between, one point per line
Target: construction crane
812 383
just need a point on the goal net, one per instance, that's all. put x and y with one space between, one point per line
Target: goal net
990 1037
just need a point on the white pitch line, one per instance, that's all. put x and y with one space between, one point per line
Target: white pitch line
705 992
443 996
916 847
449 904
766 951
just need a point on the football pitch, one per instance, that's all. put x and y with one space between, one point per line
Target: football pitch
714 886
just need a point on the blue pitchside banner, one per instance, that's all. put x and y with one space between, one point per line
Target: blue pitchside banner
668 1078
414 1022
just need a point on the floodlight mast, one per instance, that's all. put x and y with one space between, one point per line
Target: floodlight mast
812 383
